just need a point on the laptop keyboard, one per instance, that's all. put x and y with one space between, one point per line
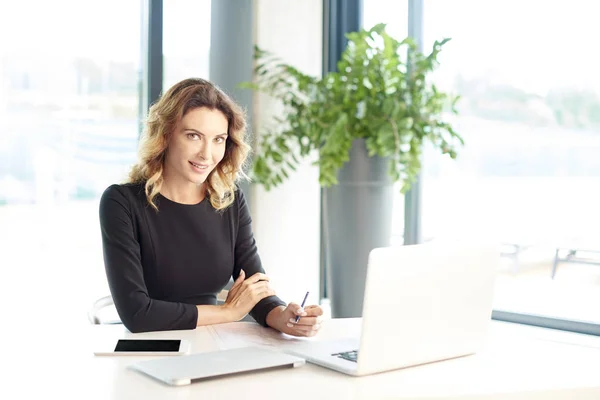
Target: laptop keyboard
347 355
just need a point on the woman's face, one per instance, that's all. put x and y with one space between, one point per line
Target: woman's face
197 145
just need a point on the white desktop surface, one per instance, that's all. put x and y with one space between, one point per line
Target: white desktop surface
519 362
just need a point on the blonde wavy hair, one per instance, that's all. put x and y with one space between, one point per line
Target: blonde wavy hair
163 117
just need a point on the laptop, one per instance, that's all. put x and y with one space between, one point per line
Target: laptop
185 369
422 303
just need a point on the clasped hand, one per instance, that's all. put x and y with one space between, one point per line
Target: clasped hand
246 293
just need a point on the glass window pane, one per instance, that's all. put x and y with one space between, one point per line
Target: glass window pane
186 40
530 171
68 129
393 13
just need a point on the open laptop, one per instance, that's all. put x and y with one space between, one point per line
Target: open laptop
422 303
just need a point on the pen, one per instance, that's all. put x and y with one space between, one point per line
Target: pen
303 302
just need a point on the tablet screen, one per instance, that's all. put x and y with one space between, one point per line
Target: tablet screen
131 345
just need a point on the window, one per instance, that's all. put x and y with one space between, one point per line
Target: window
394 14
529 173
68 129
186 40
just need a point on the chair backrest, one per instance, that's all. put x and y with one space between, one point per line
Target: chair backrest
97 307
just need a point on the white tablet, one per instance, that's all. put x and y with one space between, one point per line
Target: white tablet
200 366
144 347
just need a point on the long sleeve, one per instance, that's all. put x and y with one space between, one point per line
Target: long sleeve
125 274
247 258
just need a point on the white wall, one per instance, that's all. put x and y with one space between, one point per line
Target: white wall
286 220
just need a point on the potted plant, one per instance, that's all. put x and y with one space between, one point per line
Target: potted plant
367 124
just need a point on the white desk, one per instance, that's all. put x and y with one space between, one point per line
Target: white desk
518 363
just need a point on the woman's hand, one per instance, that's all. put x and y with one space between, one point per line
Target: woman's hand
284 319
245 293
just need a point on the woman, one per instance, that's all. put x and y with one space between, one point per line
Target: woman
180 228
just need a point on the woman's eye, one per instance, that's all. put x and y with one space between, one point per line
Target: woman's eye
193 136
220 139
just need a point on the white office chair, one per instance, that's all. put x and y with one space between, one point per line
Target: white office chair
101 304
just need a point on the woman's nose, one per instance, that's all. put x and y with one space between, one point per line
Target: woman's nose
204 151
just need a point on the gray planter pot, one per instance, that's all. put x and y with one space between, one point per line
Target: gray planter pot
357 217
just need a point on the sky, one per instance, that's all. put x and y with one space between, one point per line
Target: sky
102 30
533 44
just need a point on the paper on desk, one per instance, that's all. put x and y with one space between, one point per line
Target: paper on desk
242 334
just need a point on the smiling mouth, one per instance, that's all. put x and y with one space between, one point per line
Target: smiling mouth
199 166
